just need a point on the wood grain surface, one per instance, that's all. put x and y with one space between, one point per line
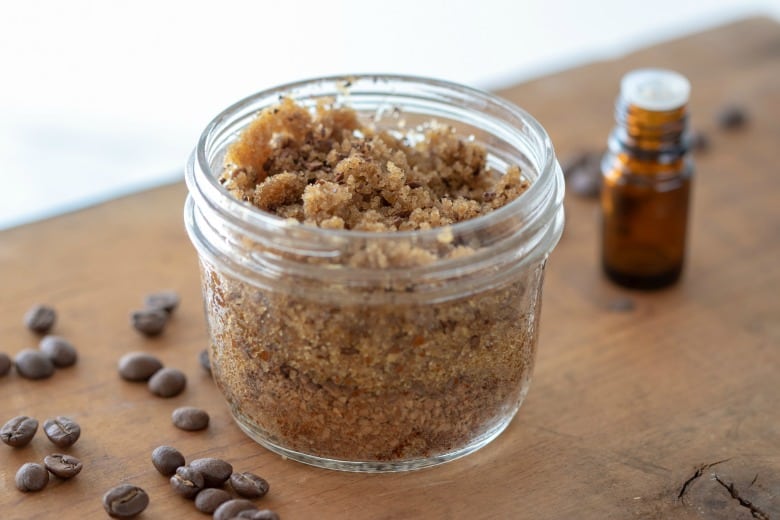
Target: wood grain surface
631 414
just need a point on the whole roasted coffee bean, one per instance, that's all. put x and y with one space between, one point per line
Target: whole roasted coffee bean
621 304
125 501
149 322
5 364
204 360
33 364
187 482
232 508
168 382
163 300
40 319
138 366
259 514
190 418
19 431
209 499
699 141
63 466
215 471
167 460
62 431
731 117
61 351
31 477
249 485
583 173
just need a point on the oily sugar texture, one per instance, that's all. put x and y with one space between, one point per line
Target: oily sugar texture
328 170
387 381
373 383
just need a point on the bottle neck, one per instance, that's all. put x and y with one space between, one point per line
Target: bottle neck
650 135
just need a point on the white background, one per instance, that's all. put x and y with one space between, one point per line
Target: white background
102 98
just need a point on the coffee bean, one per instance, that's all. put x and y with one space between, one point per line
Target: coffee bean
167 382
259 514
5 364
125 501
163 300
208 500
167 459
731 117
190 418
62 431
232 508
61 352
19 431
187 482
31 477
622 304
204 360
40 319
574 161
138 366
33 364
149 322
249 485
215 471
63 466
582 172
699 141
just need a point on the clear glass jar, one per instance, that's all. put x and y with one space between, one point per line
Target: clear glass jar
344 350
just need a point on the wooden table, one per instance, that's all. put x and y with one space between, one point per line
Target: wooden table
631 414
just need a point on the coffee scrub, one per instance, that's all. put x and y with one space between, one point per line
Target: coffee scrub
372 254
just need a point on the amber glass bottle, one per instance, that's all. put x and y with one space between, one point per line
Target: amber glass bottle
647 174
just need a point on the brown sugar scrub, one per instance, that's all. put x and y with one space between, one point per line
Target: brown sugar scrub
372 292
329 170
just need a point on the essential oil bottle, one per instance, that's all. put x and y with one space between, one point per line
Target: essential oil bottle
647 173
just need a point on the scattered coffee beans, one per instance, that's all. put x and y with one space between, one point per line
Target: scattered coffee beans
5 364
125 501
259 514
204 360
149 322
190 418
138 366
62 431
40 319
61 352
33 364
232 508
582 172
167 382
215 471
249 485
31 477
208 500
731 117
163 300
187 482
167 459
19 431
63 466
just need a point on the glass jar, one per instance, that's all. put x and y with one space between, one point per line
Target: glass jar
376 351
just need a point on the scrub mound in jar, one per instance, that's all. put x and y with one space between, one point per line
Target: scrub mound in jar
330 171
341 377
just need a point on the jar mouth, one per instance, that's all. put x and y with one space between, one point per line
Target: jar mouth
205 184
260 247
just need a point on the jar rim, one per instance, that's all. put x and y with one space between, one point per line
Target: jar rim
245 213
